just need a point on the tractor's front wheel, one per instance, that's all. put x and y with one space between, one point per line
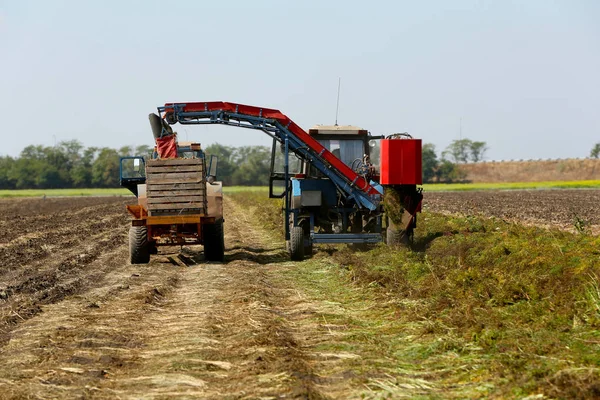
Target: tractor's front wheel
139 248
214 241
296 246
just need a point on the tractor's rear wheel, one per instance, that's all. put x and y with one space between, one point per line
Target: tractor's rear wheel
296 246
139 248
214 241
308 250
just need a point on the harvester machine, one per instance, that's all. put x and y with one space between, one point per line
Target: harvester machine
333 191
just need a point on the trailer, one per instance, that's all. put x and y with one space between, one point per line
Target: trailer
179 203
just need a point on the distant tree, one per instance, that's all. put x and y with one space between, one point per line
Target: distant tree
429 161
33 152
105 170
70 164
72 149
6 165
81 174
125 151
253 165
143 150
465 150
51 177
24 172
448 171
55 174
477 151
595 153
458 151
226 164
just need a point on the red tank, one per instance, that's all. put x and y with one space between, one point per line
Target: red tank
401 162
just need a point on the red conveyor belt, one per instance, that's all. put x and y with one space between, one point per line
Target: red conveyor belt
304 137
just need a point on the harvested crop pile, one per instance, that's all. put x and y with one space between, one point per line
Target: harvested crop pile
392 203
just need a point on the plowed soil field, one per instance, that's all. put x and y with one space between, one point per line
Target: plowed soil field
551 208
77 321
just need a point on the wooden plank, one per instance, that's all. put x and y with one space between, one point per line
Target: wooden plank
168 193
151 187
174 168
161 218
195 213
156 177
176 206
179 180
174 161
175 199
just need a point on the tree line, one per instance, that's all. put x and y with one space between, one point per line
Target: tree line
69 164
446 167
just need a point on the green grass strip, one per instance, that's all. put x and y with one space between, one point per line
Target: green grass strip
443 187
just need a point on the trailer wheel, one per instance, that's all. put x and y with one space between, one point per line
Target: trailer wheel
214 241
296 243
139 248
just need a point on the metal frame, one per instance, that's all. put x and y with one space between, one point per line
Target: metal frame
293 143
131 183
275 129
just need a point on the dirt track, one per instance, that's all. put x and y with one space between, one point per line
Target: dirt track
78 321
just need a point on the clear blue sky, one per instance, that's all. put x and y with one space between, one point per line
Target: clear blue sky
524 76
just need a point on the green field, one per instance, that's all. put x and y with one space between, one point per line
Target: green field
429 187
442 187
238 189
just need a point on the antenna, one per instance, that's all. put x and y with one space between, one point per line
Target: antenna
460 128
337 107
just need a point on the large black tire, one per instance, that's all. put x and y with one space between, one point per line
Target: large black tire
296 247
214 241
139 248
308 250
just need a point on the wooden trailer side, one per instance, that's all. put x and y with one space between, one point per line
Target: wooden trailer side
176 186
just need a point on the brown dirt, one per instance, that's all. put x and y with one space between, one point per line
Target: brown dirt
77 321
552 208
533 171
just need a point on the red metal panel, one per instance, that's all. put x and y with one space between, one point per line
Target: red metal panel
401 162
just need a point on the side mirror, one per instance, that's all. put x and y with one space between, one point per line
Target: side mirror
212 166
136 164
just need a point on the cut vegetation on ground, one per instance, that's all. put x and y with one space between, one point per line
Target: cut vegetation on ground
479 306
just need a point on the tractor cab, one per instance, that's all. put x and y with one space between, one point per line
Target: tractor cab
348 143
353 145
